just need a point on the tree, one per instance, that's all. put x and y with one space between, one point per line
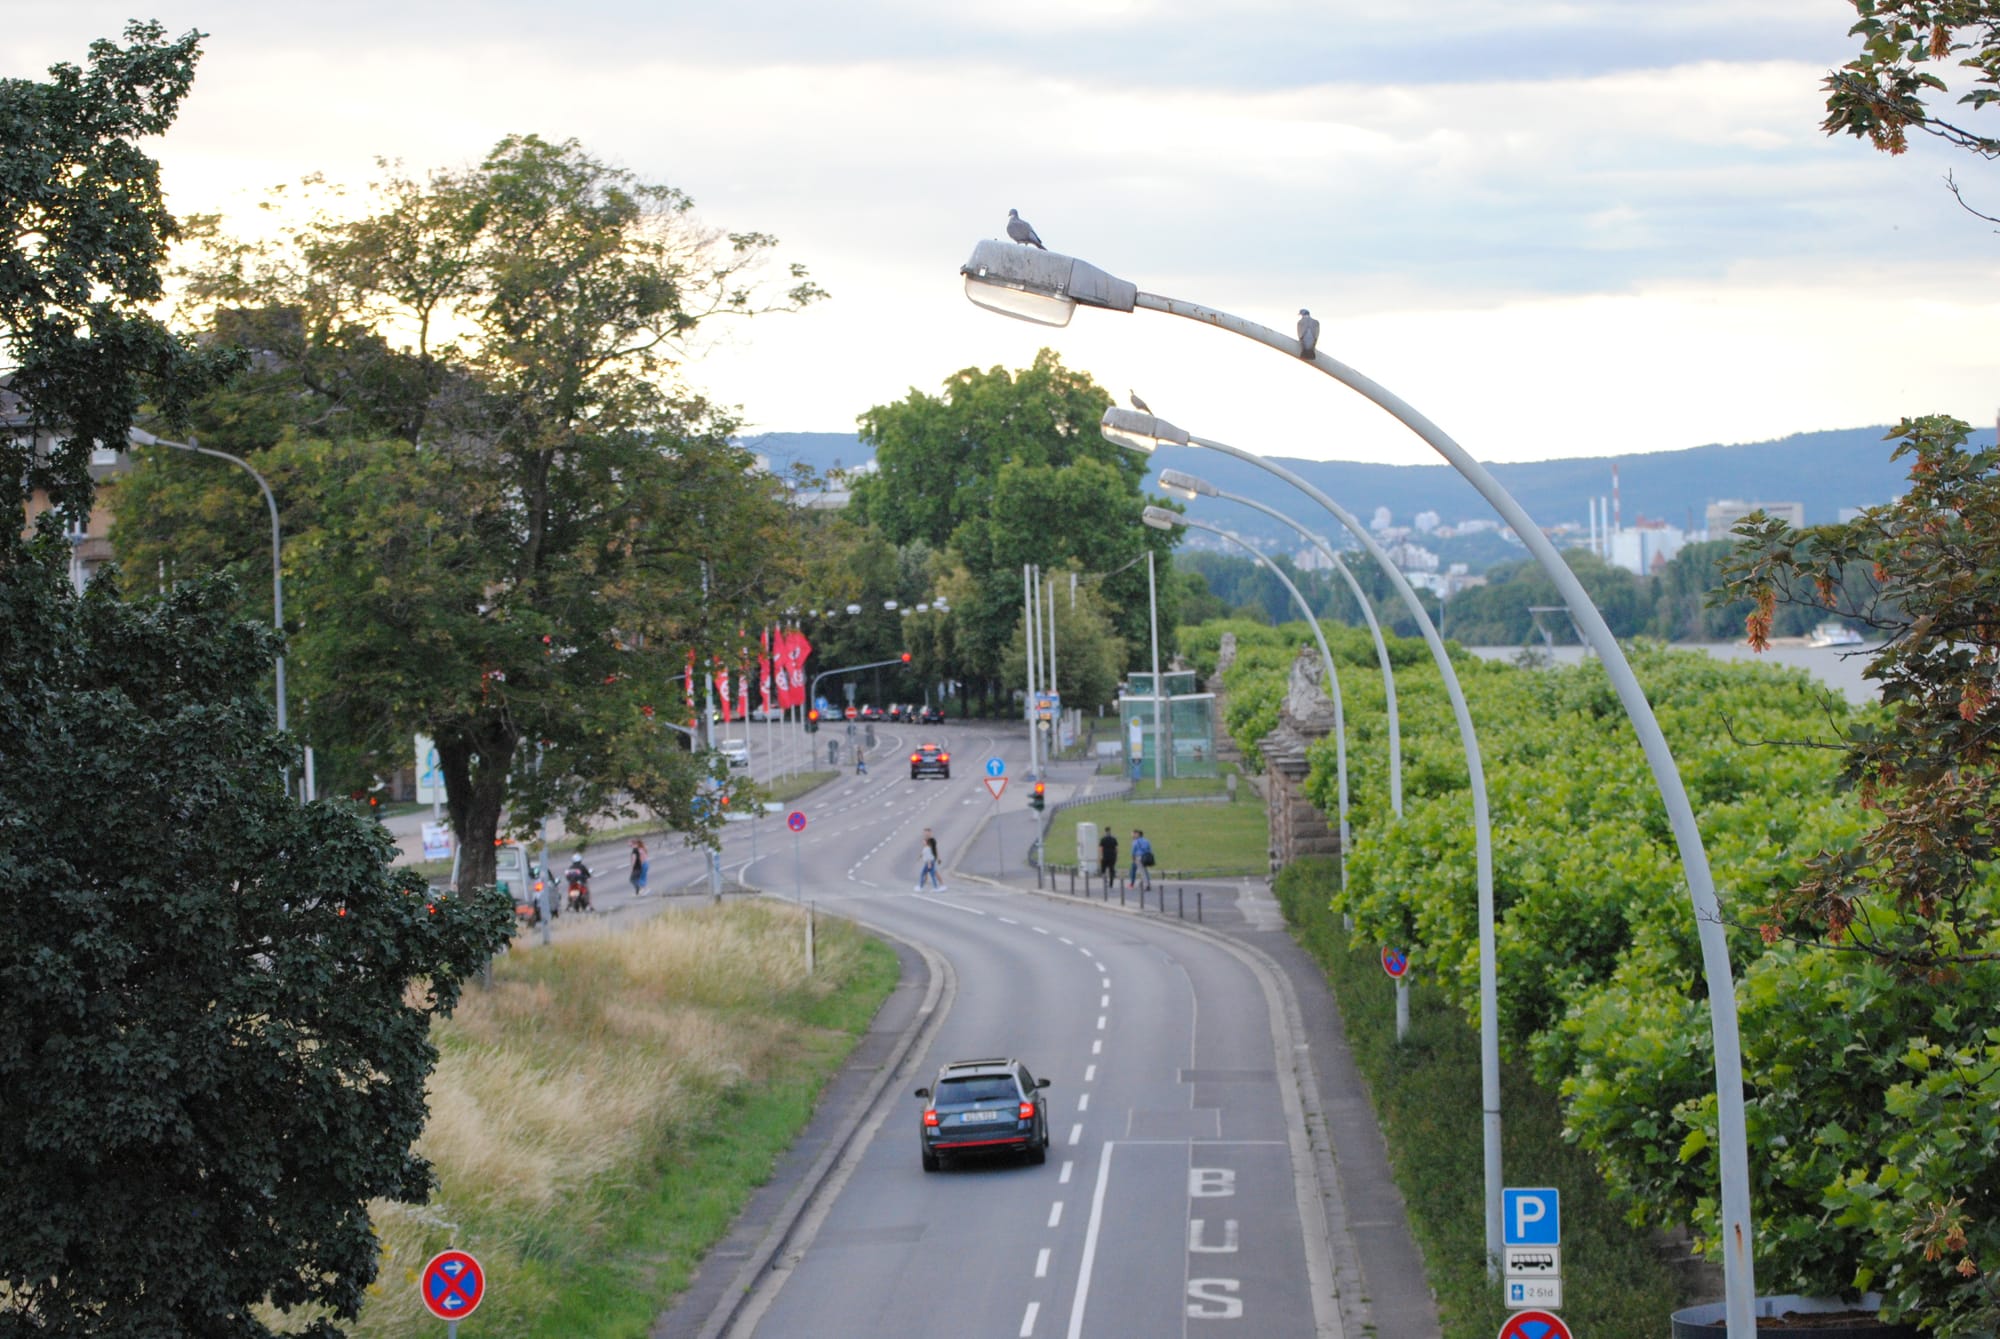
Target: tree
531 524
1881 94
219 1001
86 230
1006 469
1090 657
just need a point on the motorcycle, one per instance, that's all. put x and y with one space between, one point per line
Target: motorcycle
579 894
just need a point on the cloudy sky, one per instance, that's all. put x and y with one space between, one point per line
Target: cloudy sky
1558 227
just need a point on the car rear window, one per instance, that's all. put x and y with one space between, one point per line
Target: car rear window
991 1088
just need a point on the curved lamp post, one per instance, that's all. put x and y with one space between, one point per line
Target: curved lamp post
1162 519
1046 287
1178 482
1143 433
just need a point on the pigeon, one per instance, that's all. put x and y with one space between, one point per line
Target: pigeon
1022 231
1139 404
1308 334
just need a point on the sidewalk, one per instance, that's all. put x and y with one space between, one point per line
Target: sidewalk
1365 1212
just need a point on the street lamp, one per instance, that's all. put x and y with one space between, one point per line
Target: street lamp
1162 519
1143 432
1046 287
1179 482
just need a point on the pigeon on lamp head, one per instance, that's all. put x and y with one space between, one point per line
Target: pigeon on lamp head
1139 404
1022 231
1308 334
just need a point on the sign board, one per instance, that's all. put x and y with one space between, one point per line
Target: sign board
796 820
437 841
996 767
1531 1217
1135 737
996 784
1532 1262
1395 962
1534 1325
1534 1292
430 775
452 1285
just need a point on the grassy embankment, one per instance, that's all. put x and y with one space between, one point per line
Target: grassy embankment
601 1114
1425 1094
1189 840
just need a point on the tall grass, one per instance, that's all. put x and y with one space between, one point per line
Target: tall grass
599 1115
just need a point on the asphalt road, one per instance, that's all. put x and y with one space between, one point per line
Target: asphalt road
1171 1200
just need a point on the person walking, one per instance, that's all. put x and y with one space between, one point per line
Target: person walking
929 869
860 762
1107 858
1142 862
641 867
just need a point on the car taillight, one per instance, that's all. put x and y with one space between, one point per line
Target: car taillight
944 757
916 758
930 1117
1027 1111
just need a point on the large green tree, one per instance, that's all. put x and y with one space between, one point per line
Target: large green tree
83 231
1005 469
513 521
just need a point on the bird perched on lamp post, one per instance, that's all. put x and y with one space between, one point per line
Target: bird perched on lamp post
1022 231
1139 404
1308 334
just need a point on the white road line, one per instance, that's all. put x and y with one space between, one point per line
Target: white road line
1055 1213
1063 1178
1028 1319
1076 1134
1090 1244
1105 983
1089 1073
1097 1047
1038 929
1008 920
1085 952
1083 1103
1100 1022
1042 1263
1104 1001
1065 939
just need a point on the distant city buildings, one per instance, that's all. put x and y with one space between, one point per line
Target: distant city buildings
1722 516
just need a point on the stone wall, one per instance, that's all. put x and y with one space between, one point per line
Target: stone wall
1298 828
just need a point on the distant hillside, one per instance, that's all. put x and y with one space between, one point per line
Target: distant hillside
1825 471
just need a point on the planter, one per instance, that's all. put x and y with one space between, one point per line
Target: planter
1798 1318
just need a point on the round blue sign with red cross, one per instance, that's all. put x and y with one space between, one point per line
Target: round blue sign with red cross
1395 962
452 1285
1534 1325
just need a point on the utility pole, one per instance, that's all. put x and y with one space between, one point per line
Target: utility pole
1028 622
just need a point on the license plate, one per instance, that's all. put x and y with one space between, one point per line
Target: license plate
972 1117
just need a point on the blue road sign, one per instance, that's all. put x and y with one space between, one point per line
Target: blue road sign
1531 1217
1395 962
796 820
452 1285
996 767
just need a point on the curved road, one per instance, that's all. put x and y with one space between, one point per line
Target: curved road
1171 1200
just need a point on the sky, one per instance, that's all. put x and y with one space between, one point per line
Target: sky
1555 227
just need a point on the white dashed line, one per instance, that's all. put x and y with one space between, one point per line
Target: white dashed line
1083 1103
1063 1179
1100 1022
1028 1319
1105 983
1042 1263
1076 1134
1038 929
1008 920
1097 1047
1055 1213
1065 939
1104 1001
1089 1073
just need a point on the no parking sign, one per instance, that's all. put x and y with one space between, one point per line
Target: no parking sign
452 1286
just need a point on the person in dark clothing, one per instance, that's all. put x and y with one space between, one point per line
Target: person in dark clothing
1107 857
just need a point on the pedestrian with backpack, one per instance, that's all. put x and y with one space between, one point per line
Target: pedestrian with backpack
1142 861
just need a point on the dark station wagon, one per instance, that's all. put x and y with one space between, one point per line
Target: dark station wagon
984 1106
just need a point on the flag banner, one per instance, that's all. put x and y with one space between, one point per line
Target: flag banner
742 696
797 651
764 672
690 688
722 688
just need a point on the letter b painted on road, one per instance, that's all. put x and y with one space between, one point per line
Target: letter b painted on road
1207 1183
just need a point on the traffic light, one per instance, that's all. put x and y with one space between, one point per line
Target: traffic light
906 657
1038 798
812 720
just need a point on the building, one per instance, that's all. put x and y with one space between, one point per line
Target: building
1645 547
1722 516
90 544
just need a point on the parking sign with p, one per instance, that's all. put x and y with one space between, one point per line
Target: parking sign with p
1532 1217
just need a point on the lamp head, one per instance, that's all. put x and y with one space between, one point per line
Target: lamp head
888 604
1045 287
1140 432
853 608
1179 481
1162 519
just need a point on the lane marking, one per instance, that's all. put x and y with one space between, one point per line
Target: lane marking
1097 1047
1055 1213
1100 1022
1008 920
1089 1073
1028 1319
1083 1102
1038 929
1042 1263
1104 1001
1105 983
1067 1168
1076 1134
1066 939
1090 1244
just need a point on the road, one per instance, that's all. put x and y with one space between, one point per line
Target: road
1170 1202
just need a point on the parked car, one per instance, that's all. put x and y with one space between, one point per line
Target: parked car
930 760
930 716
896 710
983 1106
736 751
871 713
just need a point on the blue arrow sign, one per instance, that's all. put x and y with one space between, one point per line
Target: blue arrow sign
996 767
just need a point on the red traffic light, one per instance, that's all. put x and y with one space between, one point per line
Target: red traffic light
906 657
813 714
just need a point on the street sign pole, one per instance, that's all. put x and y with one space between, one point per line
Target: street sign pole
796 821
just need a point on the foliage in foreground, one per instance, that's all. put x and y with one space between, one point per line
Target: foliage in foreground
219 1000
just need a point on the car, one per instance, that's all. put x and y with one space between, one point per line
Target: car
983 1106
930 760
930 716
736 751
871 713
896 711
768 714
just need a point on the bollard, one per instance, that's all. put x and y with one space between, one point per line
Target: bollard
1121 895
1180 902
1072 881
1197 905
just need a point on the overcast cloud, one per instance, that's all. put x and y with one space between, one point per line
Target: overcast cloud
1556 228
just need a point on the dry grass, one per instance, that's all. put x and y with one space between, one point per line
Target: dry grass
591 1067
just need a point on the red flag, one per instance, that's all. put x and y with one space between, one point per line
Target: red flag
722 687
764 671
781 658
690 688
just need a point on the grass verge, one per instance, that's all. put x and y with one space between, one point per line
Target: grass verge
1188 839
1426 1098
600 1115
